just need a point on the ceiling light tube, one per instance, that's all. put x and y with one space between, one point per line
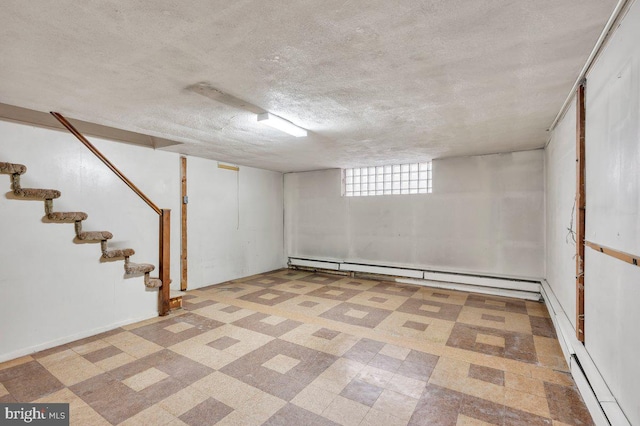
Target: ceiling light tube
281 124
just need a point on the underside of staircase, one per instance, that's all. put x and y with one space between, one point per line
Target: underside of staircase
48 195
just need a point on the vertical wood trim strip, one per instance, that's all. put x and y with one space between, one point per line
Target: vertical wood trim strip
183 231
581 209
164 294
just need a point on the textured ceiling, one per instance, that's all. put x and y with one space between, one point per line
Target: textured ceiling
373 81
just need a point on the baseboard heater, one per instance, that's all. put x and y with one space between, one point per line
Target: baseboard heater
597 396
528 289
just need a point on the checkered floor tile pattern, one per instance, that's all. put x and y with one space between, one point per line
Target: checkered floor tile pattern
300 348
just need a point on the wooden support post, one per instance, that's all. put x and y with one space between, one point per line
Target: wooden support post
183 231
580 209
164 295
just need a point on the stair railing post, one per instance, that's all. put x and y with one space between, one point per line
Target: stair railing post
164 263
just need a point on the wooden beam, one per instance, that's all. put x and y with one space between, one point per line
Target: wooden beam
580 209
228 167
183 230
625 257
164 294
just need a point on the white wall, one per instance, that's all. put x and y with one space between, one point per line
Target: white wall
242 212
56 290
612 217
560 191
485 215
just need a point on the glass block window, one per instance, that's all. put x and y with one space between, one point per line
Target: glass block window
412 178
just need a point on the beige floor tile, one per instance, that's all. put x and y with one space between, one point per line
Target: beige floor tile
500 320
436 331
216 312
154 415
179 327
379 418
86 416
338 375
303 335
183 401
145 379
488 339
132 344
72 370
524 384
453 297
406 386
378 300
115 361
237 418
15 362
177 422
90 347
375 376
152 320
333 384
203 354
537 309
262 406
469 421
345 411
526 402
400 405
547 375
58 357
395 351
65 396
481 389
225 389
281 363
450 373
314 399
3 390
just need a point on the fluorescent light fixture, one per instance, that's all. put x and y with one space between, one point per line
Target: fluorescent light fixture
281 124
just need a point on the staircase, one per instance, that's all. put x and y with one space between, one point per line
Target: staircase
48 195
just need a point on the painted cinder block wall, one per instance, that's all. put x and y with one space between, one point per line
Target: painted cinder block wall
55 290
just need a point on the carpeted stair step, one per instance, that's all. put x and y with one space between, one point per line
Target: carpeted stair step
94 235
11 169
111 254
152 282
138 268
67 216
43 194
91 235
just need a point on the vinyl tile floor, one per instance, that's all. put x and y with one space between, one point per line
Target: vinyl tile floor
291 347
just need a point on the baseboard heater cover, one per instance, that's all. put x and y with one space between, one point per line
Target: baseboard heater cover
382 270
597 396
526 295
315 264
518 286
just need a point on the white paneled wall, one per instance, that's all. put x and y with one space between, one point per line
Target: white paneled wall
55 290
485 215
612 217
